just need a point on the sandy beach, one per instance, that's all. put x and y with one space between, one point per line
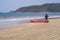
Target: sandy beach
33 31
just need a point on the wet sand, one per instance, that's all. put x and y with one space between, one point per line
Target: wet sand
33 31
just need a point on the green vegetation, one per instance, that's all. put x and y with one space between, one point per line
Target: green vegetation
49 7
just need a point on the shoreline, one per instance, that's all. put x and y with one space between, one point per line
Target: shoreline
27 23
33 31
28 18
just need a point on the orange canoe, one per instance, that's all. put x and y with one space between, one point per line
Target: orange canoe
39 21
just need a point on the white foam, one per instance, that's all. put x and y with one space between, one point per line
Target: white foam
54 16
26 18
16 19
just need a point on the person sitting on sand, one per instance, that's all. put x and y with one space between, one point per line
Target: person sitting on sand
46 16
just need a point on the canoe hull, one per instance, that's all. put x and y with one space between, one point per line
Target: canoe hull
39 21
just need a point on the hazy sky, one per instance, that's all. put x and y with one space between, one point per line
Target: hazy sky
8 5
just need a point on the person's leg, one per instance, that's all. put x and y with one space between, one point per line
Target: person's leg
46 18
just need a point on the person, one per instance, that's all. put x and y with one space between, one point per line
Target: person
46 16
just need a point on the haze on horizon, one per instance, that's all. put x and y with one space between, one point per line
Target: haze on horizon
12 5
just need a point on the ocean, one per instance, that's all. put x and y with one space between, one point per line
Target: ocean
16 18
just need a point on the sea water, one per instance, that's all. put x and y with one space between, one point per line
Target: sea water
16 18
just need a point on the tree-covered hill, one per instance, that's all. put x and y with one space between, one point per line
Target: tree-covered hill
49 7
